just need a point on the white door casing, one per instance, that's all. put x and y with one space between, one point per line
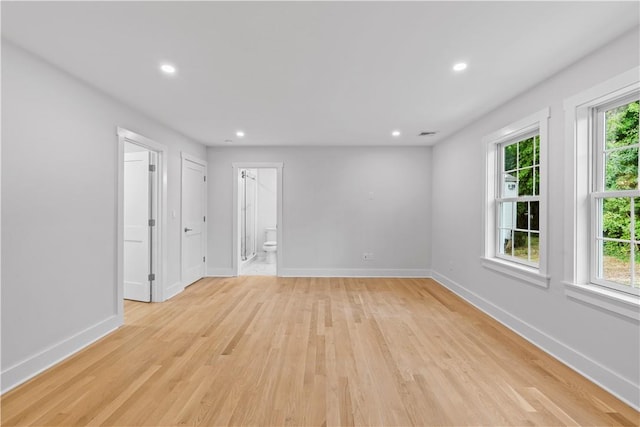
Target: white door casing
193 230
137 236
158 183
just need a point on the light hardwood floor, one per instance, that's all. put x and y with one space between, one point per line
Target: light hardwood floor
317 352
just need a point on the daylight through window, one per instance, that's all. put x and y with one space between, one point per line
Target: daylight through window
518 204
616 197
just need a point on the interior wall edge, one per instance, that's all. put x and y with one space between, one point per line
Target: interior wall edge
414 273
595 372
32 366
174 290
220 272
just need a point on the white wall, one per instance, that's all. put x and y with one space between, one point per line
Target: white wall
267 203
328 219
59 211
600 344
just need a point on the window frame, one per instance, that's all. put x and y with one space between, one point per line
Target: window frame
500 197
598 193
536 123
582 170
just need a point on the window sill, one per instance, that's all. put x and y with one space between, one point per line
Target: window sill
523 273
608 299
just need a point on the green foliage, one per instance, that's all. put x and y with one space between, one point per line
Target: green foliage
621 173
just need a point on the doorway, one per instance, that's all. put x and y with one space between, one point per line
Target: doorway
257 219
141 218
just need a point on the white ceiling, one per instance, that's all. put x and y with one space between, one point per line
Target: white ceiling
315 73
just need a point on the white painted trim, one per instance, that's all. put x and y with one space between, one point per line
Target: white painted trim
537 121
192 158
158 288
33 365
515 129
597 373
235 240
523 273
174 290
220 272
356 272
185 157
605 298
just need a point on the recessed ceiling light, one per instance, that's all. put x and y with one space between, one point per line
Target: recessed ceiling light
460 66
168 68
240 134
395 133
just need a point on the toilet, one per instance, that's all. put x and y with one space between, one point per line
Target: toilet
270 246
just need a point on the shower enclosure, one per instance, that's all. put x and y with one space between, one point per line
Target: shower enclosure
248 192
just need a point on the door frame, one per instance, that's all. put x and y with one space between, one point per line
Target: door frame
158 246
235 241
185 157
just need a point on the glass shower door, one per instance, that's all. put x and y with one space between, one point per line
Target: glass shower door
248 195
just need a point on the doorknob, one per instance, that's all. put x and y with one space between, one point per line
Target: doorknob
187 229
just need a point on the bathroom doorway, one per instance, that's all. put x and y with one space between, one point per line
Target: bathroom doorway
257 218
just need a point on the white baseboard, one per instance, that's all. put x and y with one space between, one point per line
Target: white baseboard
220 272
33 365
617 385
355 272
174 290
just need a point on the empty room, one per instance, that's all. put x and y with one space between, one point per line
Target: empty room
421 213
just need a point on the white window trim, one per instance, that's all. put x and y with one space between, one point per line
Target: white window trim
578 179
533 275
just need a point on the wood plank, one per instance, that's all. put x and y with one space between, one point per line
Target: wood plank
311 351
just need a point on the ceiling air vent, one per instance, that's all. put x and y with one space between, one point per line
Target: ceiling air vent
427 133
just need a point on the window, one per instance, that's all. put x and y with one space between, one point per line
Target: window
615 197
602 228
518 204
515 215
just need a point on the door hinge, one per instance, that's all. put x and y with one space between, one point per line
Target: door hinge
205 178
204 219
152 168
152 277
152 223
203 259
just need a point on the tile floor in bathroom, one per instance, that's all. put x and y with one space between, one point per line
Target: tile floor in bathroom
258 267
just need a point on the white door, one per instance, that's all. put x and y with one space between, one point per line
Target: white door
137 236
193 221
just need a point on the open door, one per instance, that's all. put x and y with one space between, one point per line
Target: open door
138 223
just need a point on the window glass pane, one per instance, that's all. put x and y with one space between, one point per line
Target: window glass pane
522 215
621 169
621 125
521 245
525 153
525 182
536 181
636 273
510 157
507 214
616 218
535 247
534 214
616 263
536 147
636 208
504 245
509 185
